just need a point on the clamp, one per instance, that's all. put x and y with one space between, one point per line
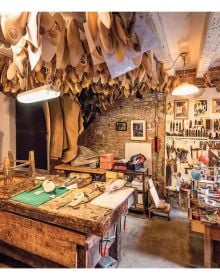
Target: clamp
103 245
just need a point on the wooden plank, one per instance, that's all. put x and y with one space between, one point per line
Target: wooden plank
207 248
50 242
68 167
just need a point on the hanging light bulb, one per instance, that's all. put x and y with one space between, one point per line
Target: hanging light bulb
185 88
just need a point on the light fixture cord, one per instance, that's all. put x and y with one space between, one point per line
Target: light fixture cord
27 73
173 63
184 68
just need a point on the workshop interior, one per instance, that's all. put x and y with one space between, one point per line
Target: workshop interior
109 139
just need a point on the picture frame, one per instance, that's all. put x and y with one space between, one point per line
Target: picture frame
138 130
216 105
181 109
200 108
121 126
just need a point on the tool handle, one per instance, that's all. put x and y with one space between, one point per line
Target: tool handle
104 250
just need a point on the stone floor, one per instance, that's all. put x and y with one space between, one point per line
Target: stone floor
159 243
155 243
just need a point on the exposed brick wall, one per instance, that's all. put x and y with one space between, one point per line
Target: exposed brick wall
102 136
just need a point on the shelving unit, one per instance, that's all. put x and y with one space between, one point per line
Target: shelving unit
189 138
140 208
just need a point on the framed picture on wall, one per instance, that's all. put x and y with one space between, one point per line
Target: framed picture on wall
200 108
181 109
138 130
216 105
121 126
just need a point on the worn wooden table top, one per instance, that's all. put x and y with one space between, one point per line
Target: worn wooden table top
86 218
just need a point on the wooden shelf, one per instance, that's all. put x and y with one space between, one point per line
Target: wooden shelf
137 208
188 138
68 167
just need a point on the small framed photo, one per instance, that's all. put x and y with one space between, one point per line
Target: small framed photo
216 105
181 109
121 126
200 108
138 130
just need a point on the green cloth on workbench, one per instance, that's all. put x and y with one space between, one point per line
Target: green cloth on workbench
30 198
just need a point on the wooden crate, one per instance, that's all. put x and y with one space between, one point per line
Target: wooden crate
13 180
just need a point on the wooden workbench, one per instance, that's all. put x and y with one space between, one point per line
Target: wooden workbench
49 236
211 233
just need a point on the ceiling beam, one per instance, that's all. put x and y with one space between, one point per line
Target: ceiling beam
162 52
210 43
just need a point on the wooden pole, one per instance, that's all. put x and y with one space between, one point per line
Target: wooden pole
32 165
7 173
11 158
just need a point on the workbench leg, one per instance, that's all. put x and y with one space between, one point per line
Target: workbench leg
82 257
115 249
207 247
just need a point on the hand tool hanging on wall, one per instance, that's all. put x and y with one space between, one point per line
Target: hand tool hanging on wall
180 129
196 150
171 126
169 150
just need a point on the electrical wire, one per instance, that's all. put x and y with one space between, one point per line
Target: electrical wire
173 63
183 55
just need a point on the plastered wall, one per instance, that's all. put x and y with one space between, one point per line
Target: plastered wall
7 126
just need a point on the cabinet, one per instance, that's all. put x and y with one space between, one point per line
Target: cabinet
142 206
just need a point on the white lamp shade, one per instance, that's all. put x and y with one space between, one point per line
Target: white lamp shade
185 89
38 94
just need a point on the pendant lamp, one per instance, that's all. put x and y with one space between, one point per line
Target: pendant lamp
38 94
185 88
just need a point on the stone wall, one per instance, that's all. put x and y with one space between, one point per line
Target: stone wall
102 136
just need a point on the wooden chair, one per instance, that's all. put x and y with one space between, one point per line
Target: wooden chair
158 206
